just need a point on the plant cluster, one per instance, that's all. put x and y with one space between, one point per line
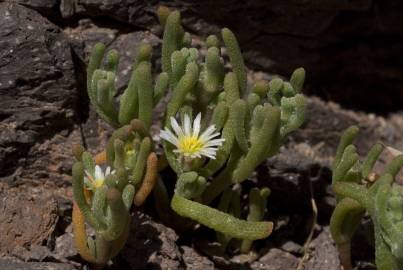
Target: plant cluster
360 191
216 130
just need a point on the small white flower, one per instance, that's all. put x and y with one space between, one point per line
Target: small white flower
188 140
97 180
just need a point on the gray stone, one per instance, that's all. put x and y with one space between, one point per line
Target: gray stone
194 260
139 13
323 253
276 259
349 48
46 6
37 84
11 265
151 245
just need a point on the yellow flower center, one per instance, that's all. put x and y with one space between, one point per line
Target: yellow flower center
98 183
189 145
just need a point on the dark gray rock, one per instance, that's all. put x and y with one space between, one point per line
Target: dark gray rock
45 6
127 45
194 260
150 245
37 84
87 34
276 259
6 264
351 49
325 122
34 253
64 248
322 254
138 13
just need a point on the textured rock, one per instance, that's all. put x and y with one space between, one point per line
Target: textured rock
27 220
50 162
323 253
11 265
37 84
351 49
64 248
46 6
139 13
127 45
151 245
194 260
87 34
276 259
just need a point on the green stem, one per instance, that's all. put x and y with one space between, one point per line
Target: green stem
219 221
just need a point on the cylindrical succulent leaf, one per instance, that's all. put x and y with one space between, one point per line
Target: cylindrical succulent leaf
112 61
219 221
78 192
163 13
144 54
297 79
172 39
149 181
129 102
263 142
292 113
261 88
117 220
257 206
190 185
238 113
214 71
274 93
94 63
346 139
184 86
235 56
145 92
212 41
161 86
138 172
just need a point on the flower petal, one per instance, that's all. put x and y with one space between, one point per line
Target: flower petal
98 173
178 130
169 136
215 142
196 125
188 140
187 125
207 133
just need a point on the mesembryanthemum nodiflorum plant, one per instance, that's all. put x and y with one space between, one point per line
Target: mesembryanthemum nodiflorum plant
216 130
247 125
358 192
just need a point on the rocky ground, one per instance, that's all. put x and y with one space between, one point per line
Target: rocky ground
352 54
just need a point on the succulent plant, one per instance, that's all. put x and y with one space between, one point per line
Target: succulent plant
104 200
244 126
359 192
216 131
140 96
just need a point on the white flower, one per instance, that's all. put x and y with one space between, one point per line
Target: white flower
188 140
97 179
